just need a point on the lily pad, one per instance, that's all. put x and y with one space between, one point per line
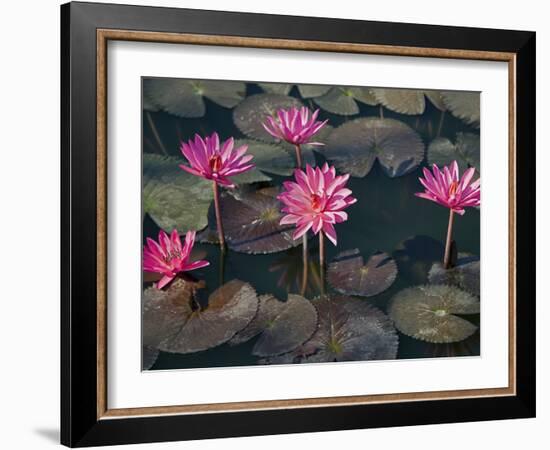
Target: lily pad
349 330
251 113
465 275
149 357
355 146
282 326
230 308
403 101
172 197
251 223
348 273
147 103
465 151
276 88
428 313
312 90
184 98
436 98
464 105
269 158
343 100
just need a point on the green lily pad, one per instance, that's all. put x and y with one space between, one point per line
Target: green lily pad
147 103
465 151
349 330
276 88
403 101
230 309
312 90
184 98
436 98
251 113
149 357
464 105
343 100
251 223
465 275
356 145
348 273
269 158
172 197
428 313
282 326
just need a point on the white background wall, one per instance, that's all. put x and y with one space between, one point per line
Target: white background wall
29 235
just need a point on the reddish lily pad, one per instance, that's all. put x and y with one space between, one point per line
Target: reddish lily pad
282 326
348 273
149 357
251 223
403 101
355 146
465 274
349 330
184 98
251 113
464 105
428 313
230 309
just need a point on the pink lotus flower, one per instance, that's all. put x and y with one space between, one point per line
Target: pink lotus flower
214 161
294 125
169 257
316 200
445 187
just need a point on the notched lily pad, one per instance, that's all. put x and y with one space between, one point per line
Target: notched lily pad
282 326
184 98
465 274
436 98
465 150
464 105
172 197
276 88
251 223
343 100
269 158
354 146
428 313
251 113
230 308
403 101
349 330
348 273
149 357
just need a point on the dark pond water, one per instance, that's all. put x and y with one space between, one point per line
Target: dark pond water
387 214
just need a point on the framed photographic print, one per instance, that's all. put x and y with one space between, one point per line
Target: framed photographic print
277 224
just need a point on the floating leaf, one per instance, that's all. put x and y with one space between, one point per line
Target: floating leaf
312 90
404 101
465 151
464 105
149 357
270 158
437 99
428 313
172 197
282 326
465 275
147 102
251 223
342 100
184 98
230 308
251 113
276 88
354 146
349 330
349 274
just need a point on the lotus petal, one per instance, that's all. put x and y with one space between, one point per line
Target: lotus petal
282 326
404 101
465 275
250 115
349 330
230 309
428 313
149 357
174 198
464 105
465 151
251 223
348 273
184 98
354 146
